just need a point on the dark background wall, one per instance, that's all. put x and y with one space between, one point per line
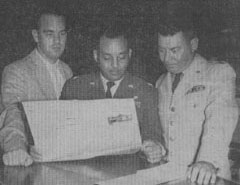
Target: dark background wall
218 31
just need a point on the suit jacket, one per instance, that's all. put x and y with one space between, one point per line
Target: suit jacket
25 80
198 119
88 87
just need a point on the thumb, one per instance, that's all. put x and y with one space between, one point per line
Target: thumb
28 161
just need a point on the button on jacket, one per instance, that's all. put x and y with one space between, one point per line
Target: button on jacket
202 112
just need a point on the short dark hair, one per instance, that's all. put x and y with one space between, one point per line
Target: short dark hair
176 16
112 30
48 10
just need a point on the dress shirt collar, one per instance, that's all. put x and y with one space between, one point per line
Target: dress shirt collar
104 81
46 62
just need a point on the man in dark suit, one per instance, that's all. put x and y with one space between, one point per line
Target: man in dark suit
112 55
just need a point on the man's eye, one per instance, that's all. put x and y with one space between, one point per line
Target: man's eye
63 33
122 57
160 51
175 50
49 34
106 58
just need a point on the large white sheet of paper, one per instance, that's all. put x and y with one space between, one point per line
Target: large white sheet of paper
152 176
80 129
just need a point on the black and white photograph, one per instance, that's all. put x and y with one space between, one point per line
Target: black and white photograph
119 92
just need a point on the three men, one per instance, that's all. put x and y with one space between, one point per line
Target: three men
197 104
39 76
113 54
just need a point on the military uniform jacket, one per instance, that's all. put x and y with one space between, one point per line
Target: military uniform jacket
199 118
24 80
89 87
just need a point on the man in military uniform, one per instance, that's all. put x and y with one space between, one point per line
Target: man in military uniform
197 103
112 55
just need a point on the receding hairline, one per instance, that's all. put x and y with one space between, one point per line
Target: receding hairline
112 38
38 23
188 35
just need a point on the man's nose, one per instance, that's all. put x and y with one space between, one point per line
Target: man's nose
115 62
57 38
167 56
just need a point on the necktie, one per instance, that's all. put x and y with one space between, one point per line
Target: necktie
176 81
109 86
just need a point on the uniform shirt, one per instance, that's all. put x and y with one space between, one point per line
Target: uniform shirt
114 88
91 87
198 119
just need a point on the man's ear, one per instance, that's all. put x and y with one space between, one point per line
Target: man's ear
194 44
95 55
35 35
130 53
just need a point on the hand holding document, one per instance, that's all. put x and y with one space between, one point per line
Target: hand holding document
154 152
80 129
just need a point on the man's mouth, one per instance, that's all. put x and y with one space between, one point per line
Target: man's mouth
114 73
57 48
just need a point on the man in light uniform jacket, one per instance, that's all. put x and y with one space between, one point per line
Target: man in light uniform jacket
197 105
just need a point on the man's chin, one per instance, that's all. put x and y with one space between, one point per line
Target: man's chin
55 57
172 70
114 78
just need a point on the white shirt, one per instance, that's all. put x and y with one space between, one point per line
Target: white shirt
114 88
55 74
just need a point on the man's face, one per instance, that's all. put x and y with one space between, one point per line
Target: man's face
113 57
176 52
51 36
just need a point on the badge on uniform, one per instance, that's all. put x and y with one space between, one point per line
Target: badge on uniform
130 86
196 88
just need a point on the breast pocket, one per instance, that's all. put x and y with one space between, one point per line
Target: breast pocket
194 108
197 100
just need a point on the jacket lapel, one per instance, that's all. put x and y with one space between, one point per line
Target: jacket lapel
97 89
125 88
192 76
64 72
166 88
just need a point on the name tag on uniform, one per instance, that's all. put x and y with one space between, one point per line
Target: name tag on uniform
196 88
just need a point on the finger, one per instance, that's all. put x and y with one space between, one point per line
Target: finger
207 178
28 161
148 149
213 178
154 154
12 158
6 159
154 158
21 159
147 144
35 155
201 176
189 172
18 157
194 174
